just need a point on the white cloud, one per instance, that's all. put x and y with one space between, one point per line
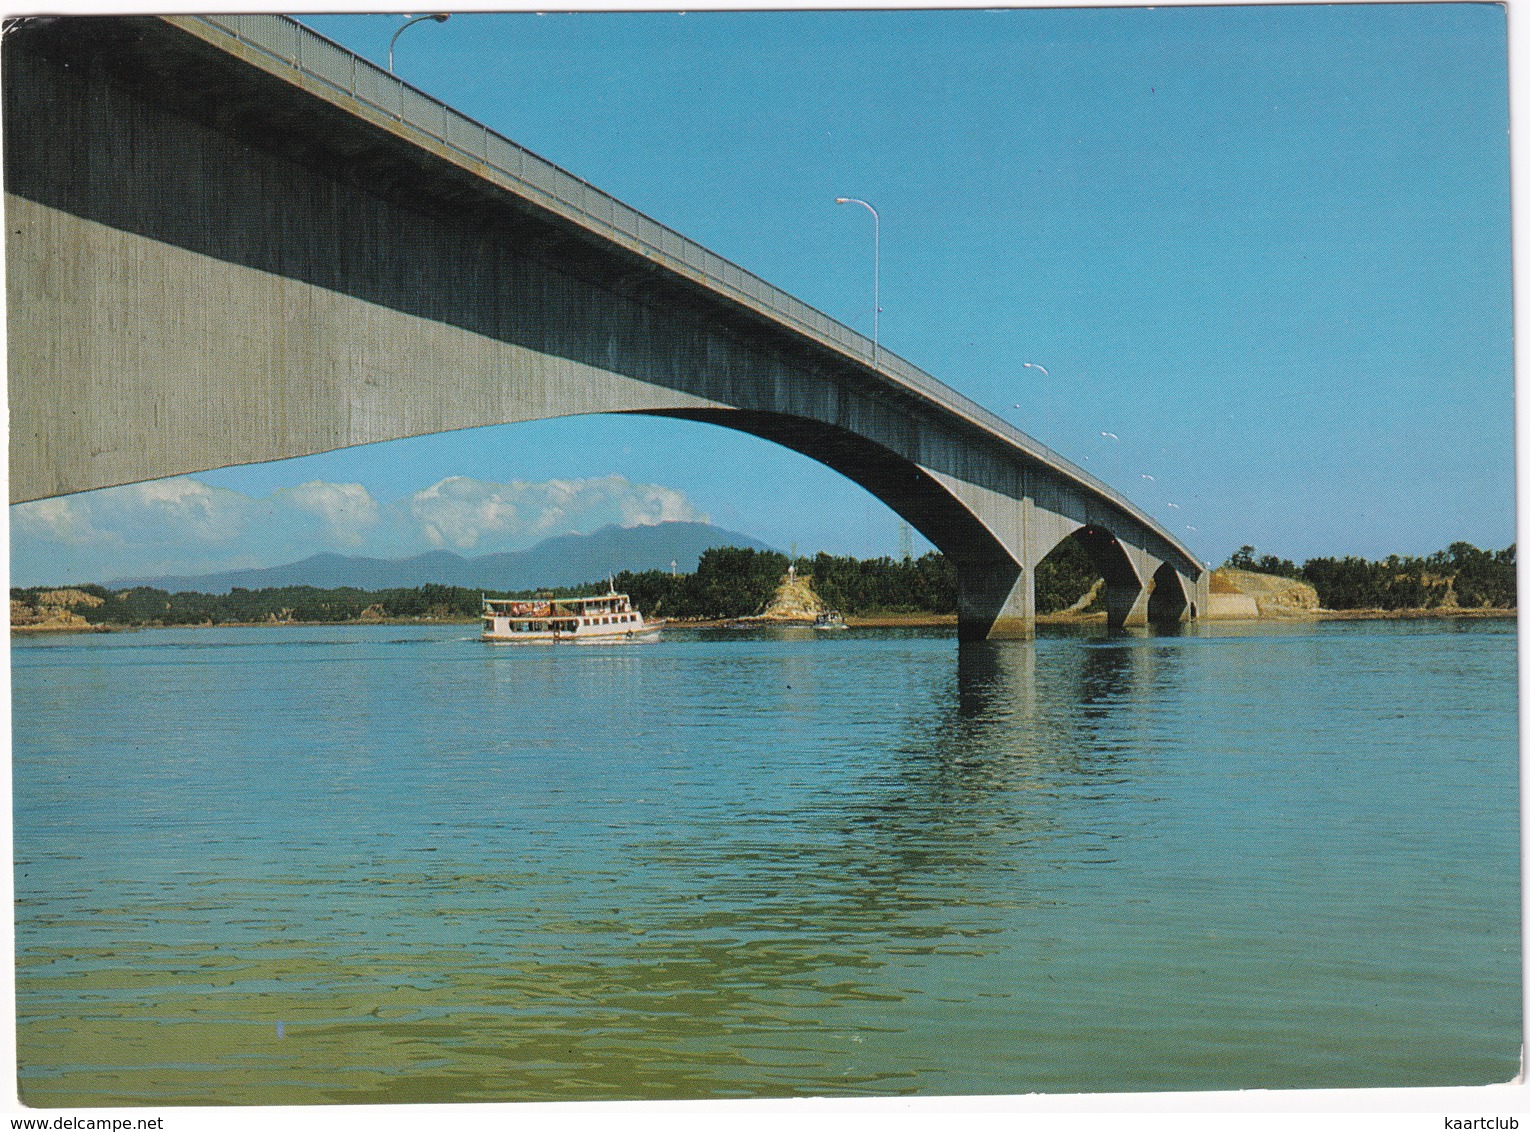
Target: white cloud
459 512
347 509
179 510
180 507
469 515
63 521
651 504
184 526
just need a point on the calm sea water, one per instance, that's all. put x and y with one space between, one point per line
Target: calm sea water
385 864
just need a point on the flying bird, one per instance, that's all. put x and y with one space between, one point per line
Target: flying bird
1145 476
1033 365
1175 506
1189 528
1112 435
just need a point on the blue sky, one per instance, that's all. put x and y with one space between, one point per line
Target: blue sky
1267 247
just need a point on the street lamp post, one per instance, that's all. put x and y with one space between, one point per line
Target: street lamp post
876 272
439 17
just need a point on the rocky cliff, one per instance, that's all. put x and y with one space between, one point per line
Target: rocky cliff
794 601
1242 595
54 609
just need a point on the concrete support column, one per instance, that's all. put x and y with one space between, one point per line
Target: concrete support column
995 602
1199 592
1126 602
1165 597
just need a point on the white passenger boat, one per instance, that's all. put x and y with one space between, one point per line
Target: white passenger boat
831 620
610 617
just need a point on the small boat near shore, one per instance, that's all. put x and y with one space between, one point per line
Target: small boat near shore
830 620
610 617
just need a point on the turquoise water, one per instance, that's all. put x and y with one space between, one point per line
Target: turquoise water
383 863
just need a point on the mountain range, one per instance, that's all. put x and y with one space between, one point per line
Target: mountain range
565 560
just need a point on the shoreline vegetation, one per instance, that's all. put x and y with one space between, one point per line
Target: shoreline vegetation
737 588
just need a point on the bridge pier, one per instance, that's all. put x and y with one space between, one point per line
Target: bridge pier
1153 593
996 598
1126 605
998 602
995 602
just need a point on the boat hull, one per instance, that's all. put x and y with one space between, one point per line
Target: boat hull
641 632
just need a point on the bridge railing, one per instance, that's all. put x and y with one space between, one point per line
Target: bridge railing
315 58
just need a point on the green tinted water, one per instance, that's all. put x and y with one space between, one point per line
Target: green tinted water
383 864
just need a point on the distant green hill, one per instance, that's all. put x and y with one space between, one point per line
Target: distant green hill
566 560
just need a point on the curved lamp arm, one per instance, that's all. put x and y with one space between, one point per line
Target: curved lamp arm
439 17
876 270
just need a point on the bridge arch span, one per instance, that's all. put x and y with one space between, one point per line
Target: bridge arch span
1139 588
1169 601
986 568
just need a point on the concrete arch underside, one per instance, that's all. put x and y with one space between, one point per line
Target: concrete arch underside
997 585
208 265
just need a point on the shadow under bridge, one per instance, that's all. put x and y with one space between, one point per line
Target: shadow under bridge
229 240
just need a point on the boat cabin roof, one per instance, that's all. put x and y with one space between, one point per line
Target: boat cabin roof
560 605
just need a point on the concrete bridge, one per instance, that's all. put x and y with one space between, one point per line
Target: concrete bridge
229 240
